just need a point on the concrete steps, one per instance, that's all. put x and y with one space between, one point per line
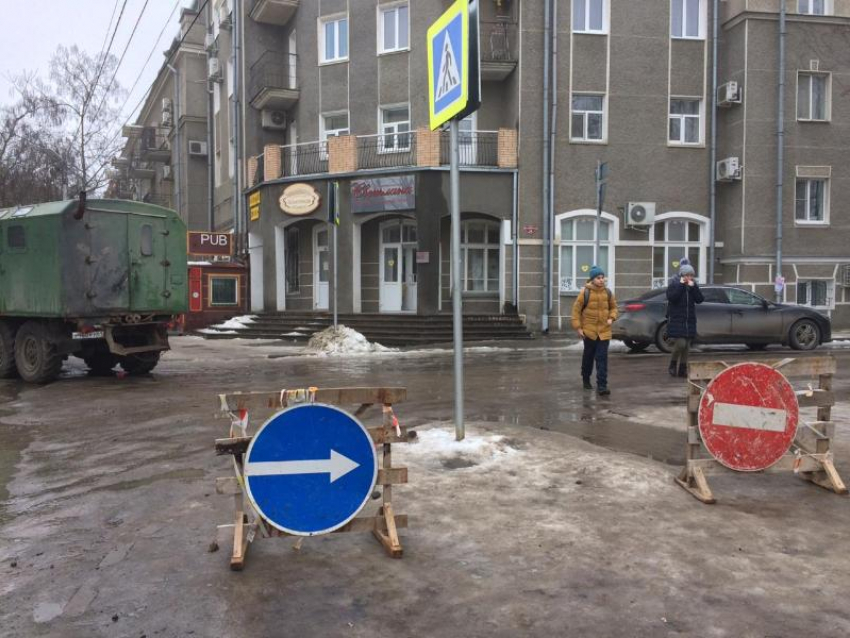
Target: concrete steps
388 330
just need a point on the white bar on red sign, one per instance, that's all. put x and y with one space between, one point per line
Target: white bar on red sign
749 417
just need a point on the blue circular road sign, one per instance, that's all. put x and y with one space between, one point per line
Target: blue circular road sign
310 469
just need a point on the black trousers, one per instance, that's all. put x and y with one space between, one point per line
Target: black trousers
595 351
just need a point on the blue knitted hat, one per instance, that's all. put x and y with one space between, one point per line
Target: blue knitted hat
595 271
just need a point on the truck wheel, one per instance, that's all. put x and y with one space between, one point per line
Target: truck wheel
101 364
36 354
8 370
138 364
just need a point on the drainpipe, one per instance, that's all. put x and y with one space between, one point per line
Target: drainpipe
551 212
712 201
515 240
547 274
780 144
235 56
178 173
210 139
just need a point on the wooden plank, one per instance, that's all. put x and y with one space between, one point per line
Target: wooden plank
392 476
695 483
359 524
239 444
693 436
785 464
816 399
232 401
825 412
237 558
799 367
814 439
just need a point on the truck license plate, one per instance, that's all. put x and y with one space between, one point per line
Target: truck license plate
96 334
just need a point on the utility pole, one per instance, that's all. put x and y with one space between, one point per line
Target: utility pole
601 182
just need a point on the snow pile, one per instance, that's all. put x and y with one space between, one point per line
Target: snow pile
235 322
615 346
840 344
439 447
341 341
213 331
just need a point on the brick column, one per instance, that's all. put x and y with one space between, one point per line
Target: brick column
271 162
507 144
427 147
342 154
252 170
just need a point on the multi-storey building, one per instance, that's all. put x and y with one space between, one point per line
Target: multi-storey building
335 91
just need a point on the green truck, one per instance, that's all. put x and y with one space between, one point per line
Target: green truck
98 279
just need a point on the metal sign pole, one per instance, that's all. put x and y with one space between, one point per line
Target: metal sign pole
335 277
335 223
457 265
598 210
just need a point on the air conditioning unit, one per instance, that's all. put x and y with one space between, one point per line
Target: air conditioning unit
274 120
845 275
209 42
640 214
214 69
728 94
728 170
166 172
196 147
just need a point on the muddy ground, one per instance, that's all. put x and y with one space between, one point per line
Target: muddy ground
557 517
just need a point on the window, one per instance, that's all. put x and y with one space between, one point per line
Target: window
811 205
224 291
333 39
293 260
714 295
589 16
587 117
393 28
816 293
687 18
17 237
578 245
685 116
672 240
742 297
146 240
813 7
395 129
331 125
813 97
480 246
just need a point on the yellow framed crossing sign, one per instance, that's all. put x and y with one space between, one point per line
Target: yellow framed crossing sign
454 84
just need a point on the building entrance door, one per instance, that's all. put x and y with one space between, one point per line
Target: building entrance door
321 268
398 266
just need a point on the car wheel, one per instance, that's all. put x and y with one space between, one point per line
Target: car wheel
636 346
804 335
662 341
756 346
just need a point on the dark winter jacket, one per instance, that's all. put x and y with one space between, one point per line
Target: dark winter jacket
681 309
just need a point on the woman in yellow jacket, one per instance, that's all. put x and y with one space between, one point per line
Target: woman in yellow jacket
594 310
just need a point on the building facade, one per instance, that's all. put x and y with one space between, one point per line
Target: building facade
334 92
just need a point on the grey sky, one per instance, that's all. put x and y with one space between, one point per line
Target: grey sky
32 30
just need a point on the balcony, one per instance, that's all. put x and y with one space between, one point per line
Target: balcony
409 149
277 12
273 81
498 50
154 145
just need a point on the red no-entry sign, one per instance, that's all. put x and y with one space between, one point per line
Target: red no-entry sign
748 417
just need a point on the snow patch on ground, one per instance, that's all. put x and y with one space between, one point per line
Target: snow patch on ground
213 331
615 346
438 446
837 345
342 341
235 322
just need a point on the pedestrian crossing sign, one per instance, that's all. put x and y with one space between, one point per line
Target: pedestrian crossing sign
450 72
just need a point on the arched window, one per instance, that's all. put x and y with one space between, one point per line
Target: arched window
480 247
578 245
673 239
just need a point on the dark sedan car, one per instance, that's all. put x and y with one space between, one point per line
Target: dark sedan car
728 315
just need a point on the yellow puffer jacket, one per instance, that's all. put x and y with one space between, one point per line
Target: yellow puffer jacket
594 318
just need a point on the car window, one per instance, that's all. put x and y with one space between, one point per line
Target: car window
653 295
715 295
742 297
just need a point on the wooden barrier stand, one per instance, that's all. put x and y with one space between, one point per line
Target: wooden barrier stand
812 458
247 522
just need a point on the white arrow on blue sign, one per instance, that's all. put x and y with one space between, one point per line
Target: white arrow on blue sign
310 469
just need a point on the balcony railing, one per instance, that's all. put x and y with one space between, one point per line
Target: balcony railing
499 53
475 148
392 150
154 145
308 158
274 82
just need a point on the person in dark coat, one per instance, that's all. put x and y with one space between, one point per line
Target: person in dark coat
683 294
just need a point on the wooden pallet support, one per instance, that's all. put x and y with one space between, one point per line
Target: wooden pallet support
812 460
248 524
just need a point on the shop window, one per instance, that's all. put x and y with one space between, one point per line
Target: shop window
578 245
293 260
480 247
672 240
224 291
